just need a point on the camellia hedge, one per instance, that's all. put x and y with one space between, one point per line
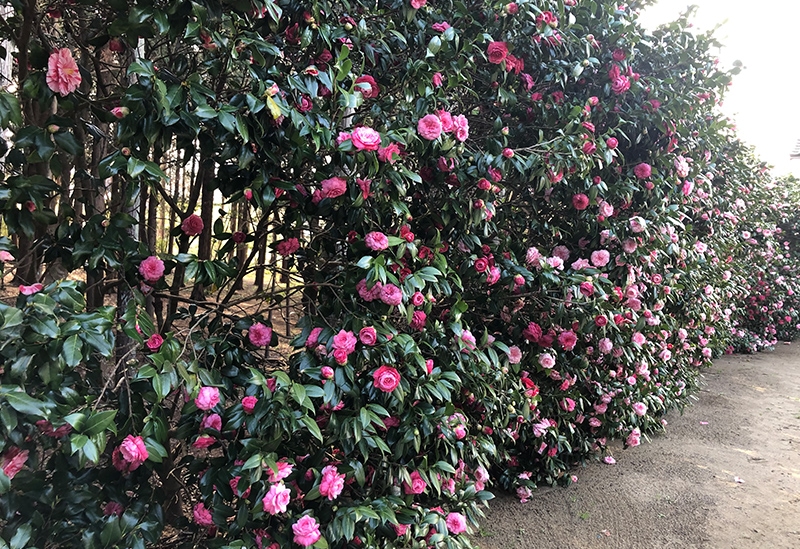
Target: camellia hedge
511 232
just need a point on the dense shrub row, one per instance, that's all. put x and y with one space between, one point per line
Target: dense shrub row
516 231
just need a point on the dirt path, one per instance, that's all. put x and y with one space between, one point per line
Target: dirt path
680 490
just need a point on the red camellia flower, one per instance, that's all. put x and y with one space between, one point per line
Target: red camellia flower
154 342
367 86
386 378
192 225
497 52
580 201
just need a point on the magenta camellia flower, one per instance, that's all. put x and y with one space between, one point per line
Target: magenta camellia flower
207 398
211 421
642 170
154 342
276 500
332 483
612 142
368 335
63 76
429 127
366 139
192 225
288 247
202 516
345 341
497 52
456 523
567 340
580 201
333 187
130 454
151 269
391 294
417 485
367 86
249 404
259 335
306 530
204 441
32 289
12 461
386 378
376 241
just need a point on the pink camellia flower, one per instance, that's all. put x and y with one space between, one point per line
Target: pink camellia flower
204 441
386 378
429 127
63 75
333 187
276 500
514 355
634 439
600 258
367 86
32 289
546 360
6 256
284 469
568 340
391 294
332 483
259 335
151 269
249 404
461 128
154 342
642 170
366 139
390 153
288 247
612 142
447 126
207 398
211 421
580 201
327 372
376 241
640 408
637 224
437 80
638 338
456 523
202 516
313 337
497 52
589 148
13 460
368 335
417 486
192 225
508 153
345 340
306 530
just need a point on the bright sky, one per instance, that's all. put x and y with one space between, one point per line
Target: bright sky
764 99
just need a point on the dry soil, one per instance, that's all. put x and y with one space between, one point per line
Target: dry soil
725 475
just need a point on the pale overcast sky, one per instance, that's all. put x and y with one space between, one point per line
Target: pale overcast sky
764 99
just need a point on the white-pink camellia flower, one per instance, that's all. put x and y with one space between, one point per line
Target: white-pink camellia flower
63 75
